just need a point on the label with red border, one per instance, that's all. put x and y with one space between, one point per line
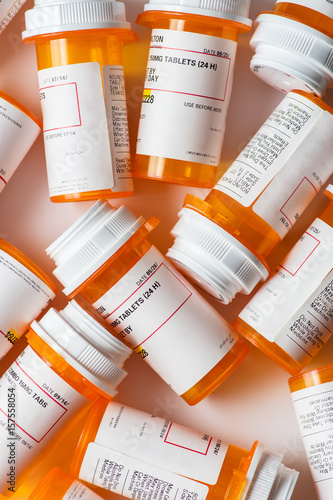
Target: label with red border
158 313
189 75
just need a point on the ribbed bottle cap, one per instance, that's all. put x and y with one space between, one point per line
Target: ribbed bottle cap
85 345
212 258
52 16
233 10
88 243
291 55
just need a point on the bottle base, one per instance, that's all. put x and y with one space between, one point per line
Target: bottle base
174 171
270 349
90 195
217 375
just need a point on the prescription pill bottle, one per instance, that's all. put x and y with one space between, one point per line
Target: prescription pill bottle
58 485
105 257
25 291
290 318
294 47
82 93
8 9
70 362
187 88
312 396
123 450
19 128
222 242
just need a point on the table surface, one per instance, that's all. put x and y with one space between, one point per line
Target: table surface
254 402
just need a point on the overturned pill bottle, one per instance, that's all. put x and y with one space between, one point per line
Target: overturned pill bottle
290 318
189 76
8 9
58 485
106 258
25 291
312 396
293 46
71 360
19 129
222 242
179 460
82 95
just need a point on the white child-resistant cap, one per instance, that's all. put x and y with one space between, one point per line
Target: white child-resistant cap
291 55
88 243
211 257
85 344
52 16
233 10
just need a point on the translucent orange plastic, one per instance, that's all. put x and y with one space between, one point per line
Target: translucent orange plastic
19 106
233 460
54 486
311 378
74 47
305 15
168 169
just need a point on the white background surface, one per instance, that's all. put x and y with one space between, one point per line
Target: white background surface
254 403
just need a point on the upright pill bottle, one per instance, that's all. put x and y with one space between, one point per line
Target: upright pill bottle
187 88
58 485
293 46
290 318
82 93
125 450
312 396
25 291
70 362
19 128
222 242
105 257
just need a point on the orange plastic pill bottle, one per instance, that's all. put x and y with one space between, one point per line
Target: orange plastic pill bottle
294 47
105 256
25 291
312 396
290 317
82 93
164 457
187 88
58 485
19 128
222 242
71 360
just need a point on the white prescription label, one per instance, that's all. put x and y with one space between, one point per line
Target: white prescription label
8 9
79 491
162 443
18 132
323 6
314 411
23 296
166 320
134 479
294 307
284 165
84 142
34 404
188 77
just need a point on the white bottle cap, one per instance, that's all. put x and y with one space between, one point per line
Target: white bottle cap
52 16
212 258
88 243
232 10
291 55
85 344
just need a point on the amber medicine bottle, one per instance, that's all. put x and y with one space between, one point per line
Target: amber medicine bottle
126 451
294 47
106 257
312 396
82 92
71 360
25 291
222 242
187 88
291 316
58 485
